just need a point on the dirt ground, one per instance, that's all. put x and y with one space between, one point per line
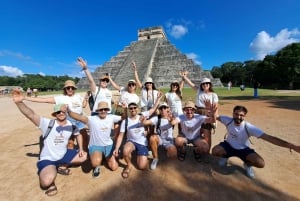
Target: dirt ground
172 180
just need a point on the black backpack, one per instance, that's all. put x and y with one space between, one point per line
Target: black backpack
92 100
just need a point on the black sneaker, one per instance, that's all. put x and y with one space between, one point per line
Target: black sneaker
96 171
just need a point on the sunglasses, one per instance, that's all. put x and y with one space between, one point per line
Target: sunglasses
205 83
102 110
175 85
104 80
68 88
58 112
148 83
189 109
131 84
132 108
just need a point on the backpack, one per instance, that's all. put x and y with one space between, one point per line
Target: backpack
50 126
158 131
245 129
92 100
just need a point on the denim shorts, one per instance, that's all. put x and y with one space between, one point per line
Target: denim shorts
78 124
106 150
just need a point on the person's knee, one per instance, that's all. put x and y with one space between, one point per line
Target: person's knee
217 151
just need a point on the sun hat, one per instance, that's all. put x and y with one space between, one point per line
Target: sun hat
102 105
104 77
131 81
163 104
189 104
205 80
56 108
149 79
70 83
132 103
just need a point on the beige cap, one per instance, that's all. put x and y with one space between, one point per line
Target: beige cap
70 83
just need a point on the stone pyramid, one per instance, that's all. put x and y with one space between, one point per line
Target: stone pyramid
155 57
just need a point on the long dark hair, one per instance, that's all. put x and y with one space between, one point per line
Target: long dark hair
178 91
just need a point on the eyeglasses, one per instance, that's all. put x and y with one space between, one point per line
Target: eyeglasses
131 84
68 88
58 112
163 108
102 110
205 83
104 80
132 108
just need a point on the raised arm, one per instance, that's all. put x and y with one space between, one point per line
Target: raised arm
24 109
188 81
83 64
74 115
154 108
279 142
136 76
50 100
115 85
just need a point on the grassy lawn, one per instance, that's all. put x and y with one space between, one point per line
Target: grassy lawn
234 94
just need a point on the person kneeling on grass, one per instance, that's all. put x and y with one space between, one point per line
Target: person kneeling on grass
163 135
237 143
54 153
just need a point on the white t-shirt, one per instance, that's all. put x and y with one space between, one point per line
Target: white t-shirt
128 97
74 102
166 129
237 136
135 129
103 95
201 96
148 98
55 145
100 129
191 127
174 103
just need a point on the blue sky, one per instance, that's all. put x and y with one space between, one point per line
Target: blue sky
46 36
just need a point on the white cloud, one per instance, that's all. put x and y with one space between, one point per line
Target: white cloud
177 30
194 57
264 44
10 71
14 54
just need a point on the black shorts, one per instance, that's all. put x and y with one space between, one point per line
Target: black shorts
241 153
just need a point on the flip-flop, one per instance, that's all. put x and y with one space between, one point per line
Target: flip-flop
52 190
64 171
125 173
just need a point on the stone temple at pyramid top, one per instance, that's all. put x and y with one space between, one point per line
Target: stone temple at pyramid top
155 57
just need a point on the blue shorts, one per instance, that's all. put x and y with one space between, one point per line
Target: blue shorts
66 160
240 153
106 150
78 124
141 150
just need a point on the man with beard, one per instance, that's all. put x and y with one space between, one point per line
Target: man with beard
237 141
54 152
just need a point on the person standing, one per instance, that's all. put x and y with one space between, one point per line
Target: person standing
54 153
100 93
205 93
100 142
236 143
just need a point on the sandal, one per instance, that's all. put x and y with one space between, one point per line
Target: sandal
52 190
125 173
64 171
198 157
181 156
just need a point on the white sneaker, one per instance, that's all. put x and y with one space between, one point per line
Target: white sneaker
96 172
223 162
249 171
154 164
